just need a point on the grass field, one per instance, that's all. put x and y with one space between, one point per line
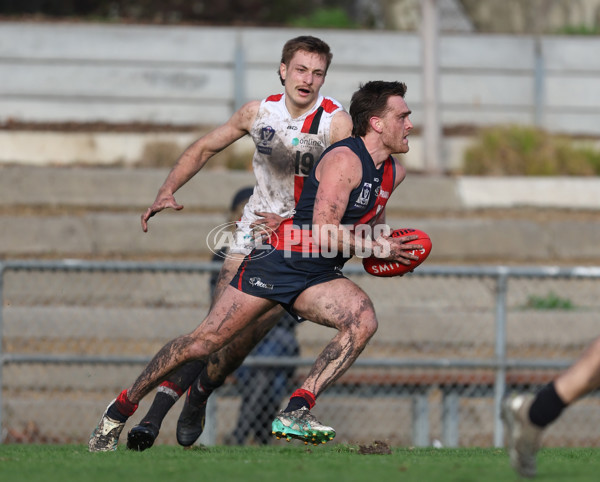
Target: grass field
293 463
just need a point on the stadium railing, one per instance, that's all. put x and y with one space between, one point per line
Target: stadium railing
452 376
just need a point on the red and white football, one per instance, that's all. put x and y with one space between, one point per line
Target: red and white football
379 267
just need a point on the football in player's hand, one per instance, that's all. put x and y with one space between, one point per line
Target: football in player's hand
380 267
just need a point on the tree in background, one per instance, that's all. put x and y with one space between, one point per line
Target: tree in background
514 16
329 13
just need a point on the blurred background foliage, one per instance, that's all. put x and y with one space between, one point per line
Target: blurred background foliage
572 17
527 151
301 13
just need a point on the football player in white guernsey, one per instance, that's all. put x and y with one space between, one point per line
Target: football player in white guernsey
290 131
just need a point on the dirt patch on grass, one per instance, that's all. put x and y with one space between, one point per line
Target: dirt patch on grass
378 447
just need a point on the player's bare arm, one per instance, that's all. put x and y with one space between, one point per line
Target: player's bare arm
196 156
338 173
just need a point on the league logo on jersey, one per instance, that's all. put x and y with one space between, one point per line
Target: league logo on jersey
266 136
365 194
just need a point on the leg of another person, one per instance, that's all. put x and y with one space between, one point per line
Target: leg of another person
526 416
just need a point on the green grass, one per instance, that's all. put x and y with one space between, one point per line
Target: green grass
293 462
549 302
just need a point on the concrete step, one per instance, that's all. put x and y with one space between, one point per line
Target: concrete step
176 235
95 212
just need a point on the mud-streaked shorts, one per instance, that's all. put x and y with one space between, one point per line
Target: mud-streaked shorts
281 276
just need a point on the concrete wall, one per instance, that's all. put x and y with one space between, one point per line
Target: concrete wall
95 213
57 72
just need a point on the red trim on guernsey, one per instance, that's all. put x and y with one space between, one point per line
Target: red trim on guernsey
329 106
298 185
387 185
308 122
287 237
274 98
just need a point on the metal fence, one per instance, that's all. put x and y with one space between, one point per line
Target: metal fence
451 341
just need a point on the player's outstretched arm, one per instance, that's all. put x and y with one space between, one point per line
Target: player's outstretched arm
162 202
196 156
338 172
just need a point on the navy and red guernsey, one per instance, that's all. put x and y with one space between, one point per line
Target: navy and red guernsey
365 203
280 271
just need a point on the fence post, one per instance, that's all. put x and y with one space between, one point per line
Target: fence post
539 84
500 351
1 353
432 127
209 434
420 404
239 73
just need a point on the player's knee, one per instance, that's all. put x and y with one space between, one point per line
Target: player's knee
363 328
202 347
196 351
369 326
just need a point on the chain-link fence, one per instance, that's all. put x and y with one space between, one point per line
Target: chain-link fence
451 341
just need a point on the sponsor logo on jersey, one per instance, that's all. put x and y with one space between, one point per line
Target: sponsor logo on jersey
379 192
266 136
292 128
307 143
311 143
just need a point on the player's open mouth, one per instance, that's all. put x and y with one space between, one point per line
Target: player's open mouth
304 91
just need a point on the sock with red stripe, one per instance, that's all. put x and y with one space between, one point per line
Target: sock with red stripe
122 408
300 398
170 391
202 388
167 394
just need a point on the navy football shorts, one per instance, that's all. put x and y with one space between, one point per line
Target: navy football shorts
282 275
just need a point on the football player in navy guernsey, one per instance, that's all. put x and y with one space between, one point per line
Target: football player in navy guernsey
290 131
301 268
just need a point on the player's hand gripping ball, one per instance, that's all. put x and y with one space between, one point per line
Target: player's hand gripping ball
384 268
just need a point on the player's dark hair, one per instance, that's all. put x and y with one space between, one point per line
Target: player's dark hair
306 43
371 100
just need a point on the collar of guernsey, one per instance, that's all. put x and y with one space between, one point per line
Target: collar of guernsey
293 238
